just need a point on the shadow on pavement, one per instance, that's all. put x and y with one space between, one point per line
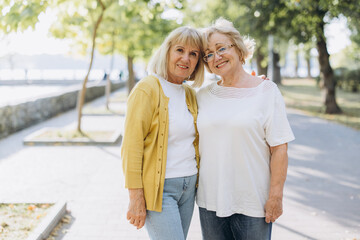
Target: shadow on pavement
324 168
295 232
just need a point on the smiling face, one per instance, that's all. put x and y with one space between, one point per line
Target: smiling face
228 61
182 61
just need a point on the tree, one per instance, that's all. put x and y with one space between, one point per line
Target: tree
82 92
251 18
325 67
80 20
138 27
303 21
135 30
307 54
108 81
23 14
19 15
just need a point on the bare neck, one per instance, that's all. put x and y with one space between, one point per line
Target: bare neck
239 79
234 78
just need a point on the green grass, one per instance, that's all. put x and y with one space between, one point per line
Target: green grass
303 94
17 221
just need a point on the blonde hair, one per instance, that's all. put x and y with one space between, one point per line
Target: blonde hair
183 35
244 45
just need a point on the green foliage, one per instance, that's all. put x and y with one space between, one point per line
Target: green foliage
135 26
135 29
347 71
354 23
305 17
349 57
285 19
251 18
76 21
20 15
347 79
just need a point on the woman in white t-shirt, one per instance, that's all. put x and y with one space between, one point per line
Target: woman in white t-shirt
244 133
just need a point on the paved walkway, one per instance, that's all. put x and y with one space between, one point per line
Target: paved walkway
322 194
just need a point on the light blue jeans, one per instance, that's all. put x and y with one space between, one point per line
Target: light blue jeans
173 221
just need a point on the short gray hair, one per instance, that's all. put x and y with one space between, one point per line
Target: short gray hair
244 45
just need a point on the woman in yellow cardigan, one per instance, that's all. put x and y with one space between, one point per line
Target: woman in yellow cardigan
160 145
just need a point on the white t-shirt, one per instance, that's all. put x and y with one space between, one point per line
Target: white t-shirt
236 127
181 160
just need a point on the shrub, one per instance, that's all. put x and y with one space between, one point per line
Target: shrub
347 79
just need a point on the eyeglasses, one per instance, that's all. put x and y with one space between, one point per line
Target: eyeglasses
222 50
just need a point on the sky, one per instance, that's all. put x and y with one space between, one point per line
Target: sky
39 41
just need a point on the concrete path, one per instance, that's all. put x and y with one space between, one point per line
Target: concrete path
322 195
322 191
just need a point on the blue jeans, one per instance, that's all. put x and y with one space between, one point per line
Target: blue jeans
173 221
236 226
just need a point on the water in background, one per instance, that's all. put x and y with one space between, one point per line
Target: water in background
20 85
54 74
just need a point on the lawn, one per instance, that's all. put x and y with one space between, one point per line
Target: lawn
18 220
303 94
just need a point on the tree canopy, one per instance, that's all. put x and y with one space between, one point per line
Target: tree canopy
20 15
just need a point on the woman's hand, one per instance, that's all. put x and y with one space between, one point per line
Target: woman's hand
273 209
137 210
263 77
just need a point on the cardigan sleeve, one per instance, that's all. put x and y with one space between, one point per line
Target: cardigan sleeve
137 124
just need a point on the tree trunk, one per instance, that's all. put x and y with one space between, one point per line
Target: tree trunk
259 58
276 68
82 92
107 91
108 81
326 73
308 62
296 63
354 88
131 80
